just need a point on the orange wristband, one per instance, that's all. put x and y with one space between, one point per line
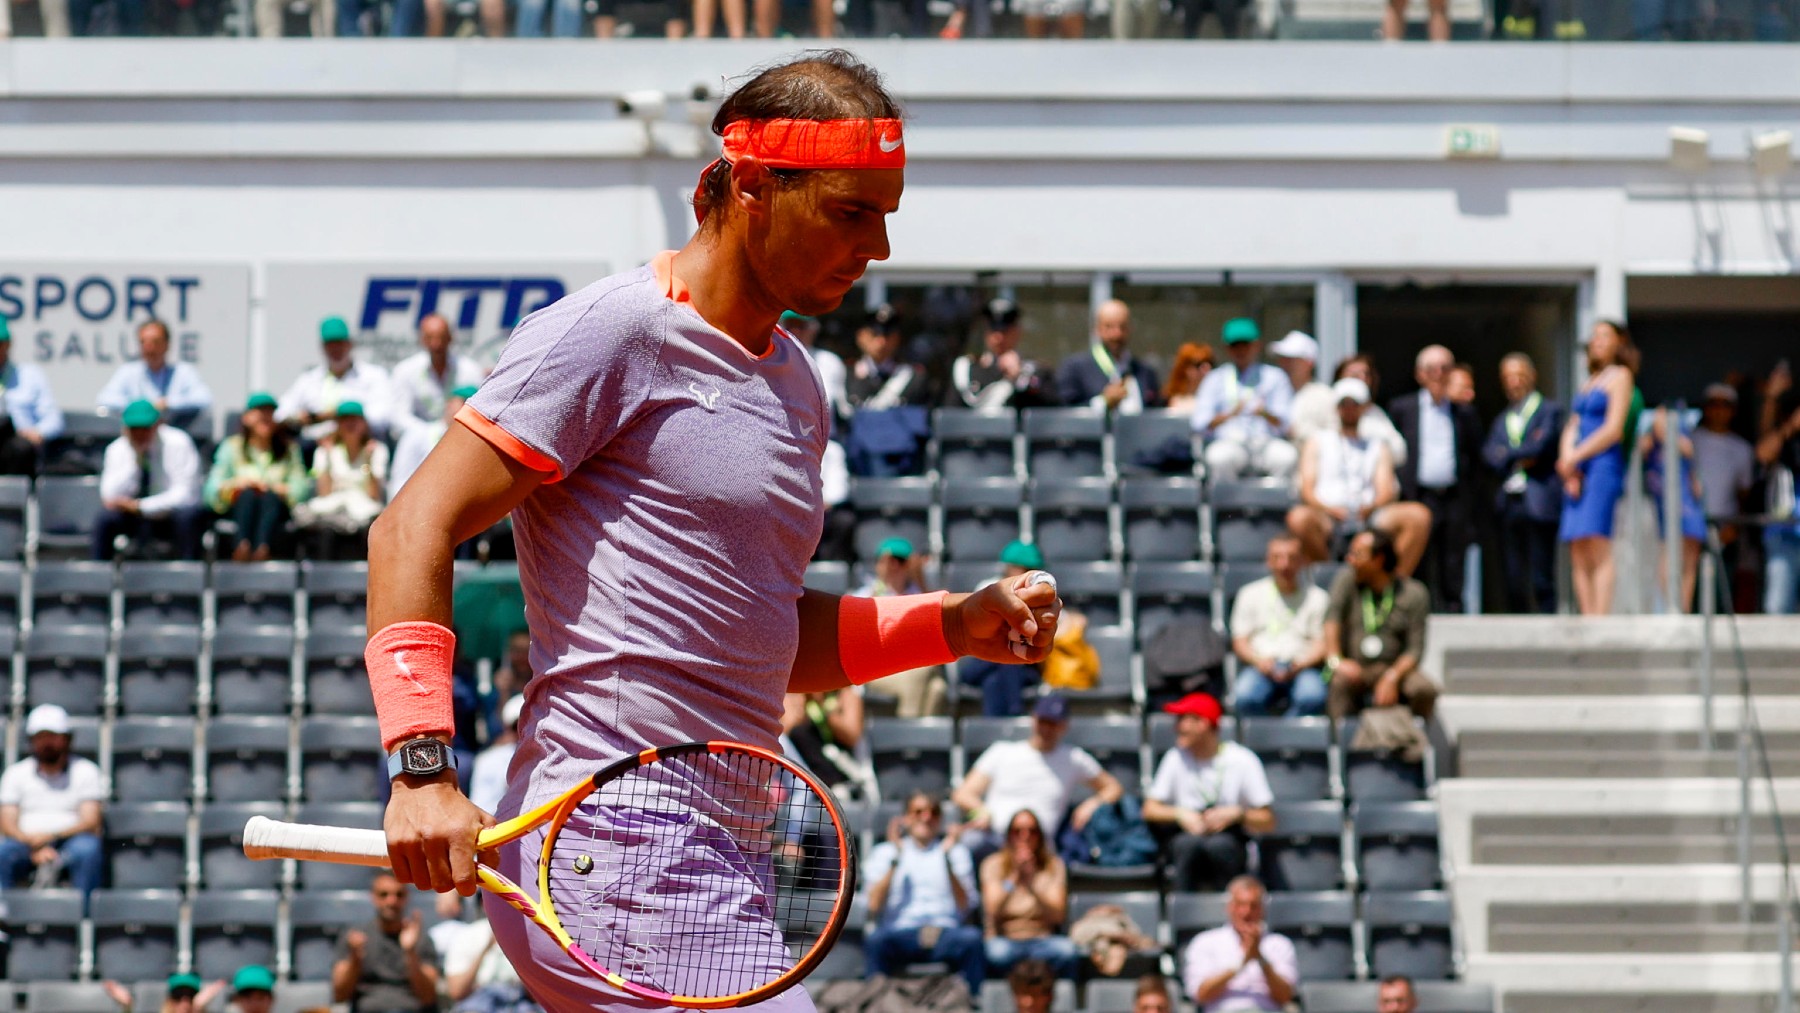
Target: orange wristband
410 673
880 636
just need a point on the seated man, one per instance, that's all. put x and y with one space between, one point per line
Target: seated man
921 889
174 387
1277 633
1242 410
1375 632
150 486
1347 484
1040 773
1207 797
50 807
1241 965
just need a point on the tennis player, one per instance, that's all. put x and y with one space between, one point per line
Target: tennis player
656 438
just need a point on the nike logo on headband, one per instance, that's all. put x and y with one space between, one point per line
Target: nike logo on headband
887 144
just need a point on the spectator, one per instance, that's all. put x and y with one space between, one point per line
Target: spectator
32 416
1152 995
257 476
879 380
175 388
1653 445
1459 384
1003 686
1313 408
271 19
1242 410
920 691
1040 773
1241 965
50 808
921 888
1591 464
565 19
1375 423
1444 442
606 22
1207 797
253 989
1779 450
1277 633
1229 12
1067 17
416 442
1024 899
1437 26
389 964
479 978
492 15
822 730
1347 484
1726 462
1033 985
999 377
349 474
831 368
150 486
1192 363
1375 632
311 402
186 994
1396 995
1521 449
487 777
421 384
1107 376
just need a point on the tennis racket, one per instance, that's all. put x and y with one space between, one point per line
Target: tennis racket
704 875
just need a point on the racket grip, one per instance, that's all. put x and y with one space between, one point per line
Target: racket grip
267 838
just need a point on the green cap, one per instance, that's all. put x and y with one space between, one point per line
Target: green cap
139 415
191 981
1241 329
1019 554
253 978
350 408
260 399
465 392
789 316
5 329
334 329
899 548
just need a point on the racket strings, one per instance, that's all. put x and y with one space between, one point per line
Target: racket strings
703 874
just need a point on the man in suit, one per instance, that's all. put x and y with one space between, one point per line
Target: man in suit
1443 441
1521 448
1106 376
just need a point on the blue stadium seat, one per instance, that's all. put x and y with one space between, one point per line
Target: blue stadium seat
153 759
1306 849
136 933
341 759
1161 519
1154 436
67 507
1116 684
337 681
1322 926
316 920
252 670
1162 593
45 928
979 515
247 759
223 865
337 596
1296 755
146 844
1245 515
326 876
911 754
973 444
1095 589
1072 519
255 594
1064 443
233 929
15 499
66 666
891 508
1397 845
163 594
1409 933
71 594
1378 776
159 669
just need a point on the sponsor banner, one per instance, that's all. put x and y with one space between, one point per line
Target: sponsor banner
383 304
79 321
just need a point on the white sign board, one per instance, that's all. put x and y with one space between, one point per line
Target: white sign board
79 321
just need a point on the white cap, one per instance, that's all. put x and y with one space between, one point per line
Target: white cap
1296 345
1351 389
1721 392
47 717
509 712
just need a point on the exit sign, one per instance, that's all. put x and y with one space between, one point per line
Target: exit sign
1472 140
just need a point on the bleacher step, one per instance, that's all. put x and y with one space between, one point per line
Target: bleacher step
1586 982
1628 928
1592 762
1586 1003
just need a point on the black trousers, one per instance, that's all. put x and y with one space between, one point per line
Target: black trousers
1204 863
1528 558
1451 531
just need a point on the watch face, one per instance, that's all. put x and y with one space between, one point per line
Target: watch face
422 757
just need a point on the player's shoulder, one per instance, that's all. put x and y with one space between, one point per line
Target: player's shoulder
613 313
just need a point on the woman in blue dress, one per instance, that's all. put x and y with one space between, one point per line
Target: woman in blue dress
1592 465
1693 515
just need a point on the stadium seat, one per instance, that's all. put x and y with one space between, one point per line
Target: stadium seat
1191 914
231 930
1116 741
15 499
891 508
1150 442
1372 776
1064 443
978 516
255 594
1409 933
69 997
66 666
1323 574
341 759
828 577
968 575
327 876
1072 519
223 865
1322 927
844 961
1397 845
1095 589
316 920
973 444
997 997
153 759
252 671
1159 735
1433 996
977 734
136 933
337 682
337 596
79 448
159 669
247 759
71 594
1161 519
1162 593
67 507
12 589
1117 684
45 929
146 844
1306 849
1232 578
1245 515
162 594
911 754
1296 755
1143 907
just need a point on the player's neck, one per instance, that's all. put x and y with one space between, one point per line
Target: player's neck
722 290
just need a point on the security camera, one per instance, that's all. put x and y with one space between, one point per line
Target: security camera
646 105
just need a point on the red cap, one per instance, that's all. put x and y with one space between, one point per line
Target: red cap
1198 704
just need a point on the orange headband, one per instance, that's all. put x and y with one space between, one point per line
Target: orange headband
812 144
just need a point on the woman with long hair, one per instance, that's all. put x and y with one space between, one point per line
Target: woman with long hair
1592 464
1024 899
1192 362
257 476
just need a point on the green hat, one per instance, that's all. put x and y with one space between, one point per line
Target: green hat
465 392
1241 329
354 408
184 981
789 317
1019 554
253 978
334 329
260 399
140 415
899 548
5 329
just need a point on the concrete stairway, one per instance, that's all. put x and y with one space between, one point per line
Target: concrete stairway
1591 826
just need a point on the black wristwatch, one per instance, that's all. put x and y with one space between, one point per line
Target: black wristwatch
420 758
